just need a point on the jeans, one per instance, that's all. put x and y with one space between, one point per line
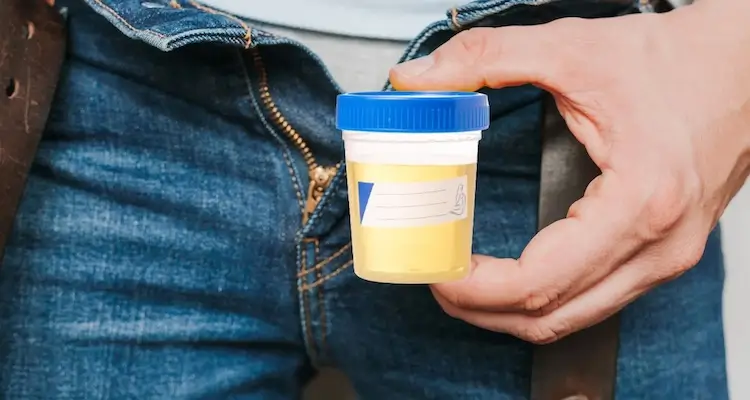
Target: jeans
165 247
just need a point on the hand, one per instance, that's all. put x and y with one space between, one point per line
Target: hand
662 104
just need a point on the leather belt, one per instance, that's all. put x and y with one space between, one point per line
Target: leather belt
583 365
32 46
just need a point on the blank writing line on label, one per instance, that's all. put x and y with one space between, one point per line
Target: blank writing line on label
414 194
414 205
405 204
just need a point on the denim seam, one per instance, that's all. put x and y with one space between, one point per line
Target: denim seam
455 25
125 22
301 259
160 40
286 153
209 10
321 304
342 268
305 304
295 181
320 265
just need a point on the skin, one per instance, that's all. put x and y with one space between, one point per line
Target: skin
662 104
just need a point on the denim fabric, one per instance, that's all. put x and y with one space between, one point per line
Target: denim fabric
160 253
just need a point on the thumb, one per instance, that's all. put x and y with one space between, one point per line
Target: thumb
491 57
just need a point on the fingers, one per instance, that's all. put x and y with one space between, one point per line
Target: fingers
563 260
592 307
493 57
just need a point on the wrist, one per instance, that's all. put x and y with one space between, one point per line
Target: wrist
717 30
717 16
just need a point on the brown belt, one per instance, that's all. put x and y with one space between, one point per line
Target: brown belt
32 40
32 47
581 366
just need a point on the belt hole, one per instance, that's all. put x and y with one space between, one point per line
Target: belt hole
28 30
11 88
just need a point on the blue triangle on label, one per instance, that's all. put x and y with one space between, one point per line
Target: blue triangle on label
364 189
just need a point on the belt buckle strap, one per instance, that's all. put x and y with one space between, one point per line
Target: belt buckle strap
32 47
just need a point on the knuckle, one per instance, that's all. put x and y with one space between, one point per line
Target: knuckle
542 302
689 256
461 299
467 46
450 311
676 262
664 211
573 50
540 332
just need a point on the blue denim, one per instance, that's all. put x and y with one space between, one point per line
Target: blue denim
160 250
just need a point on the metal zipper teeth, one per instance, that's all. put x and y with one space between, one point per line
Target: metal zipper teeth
277 117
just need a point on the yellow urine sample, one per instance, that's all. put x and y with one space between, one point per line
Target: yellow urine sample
411 223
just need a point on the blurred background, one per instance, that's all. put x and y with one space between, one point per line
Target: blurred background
736 229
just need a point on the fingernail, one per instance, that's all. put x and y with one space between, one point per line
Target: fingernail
414 67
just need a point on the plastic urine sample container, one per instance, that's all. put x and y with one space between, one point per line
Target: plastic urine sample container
411 162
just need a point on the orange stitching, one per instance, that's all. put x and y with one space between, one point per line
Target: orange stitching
454 18
174 4
325 262
306 307
295 183
248 31
327 277
121 19
321 304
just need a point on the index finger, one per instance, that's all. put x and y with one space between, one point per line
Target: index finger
491 57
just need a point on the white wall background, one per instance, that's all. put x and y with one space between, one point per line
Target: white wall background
736 230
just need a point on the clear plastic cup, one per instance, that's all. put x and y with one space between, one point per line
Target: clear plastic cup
411 170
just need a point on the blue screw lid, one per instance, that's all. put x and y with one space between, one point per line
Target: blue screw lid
413 112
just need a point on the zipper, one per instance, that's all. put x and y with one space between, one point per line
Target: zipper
319 176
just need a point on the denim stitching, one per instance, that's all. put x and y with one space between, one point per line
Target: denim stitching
307 318
295 182
288 157
321 305
454 19
337 271
303 306
125 22
285 148
325 262
248 30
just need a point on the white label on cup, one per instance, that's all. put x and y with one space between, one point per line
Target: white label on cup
405 204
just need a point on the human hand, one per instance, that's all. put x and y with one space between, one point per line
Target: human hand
662 104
